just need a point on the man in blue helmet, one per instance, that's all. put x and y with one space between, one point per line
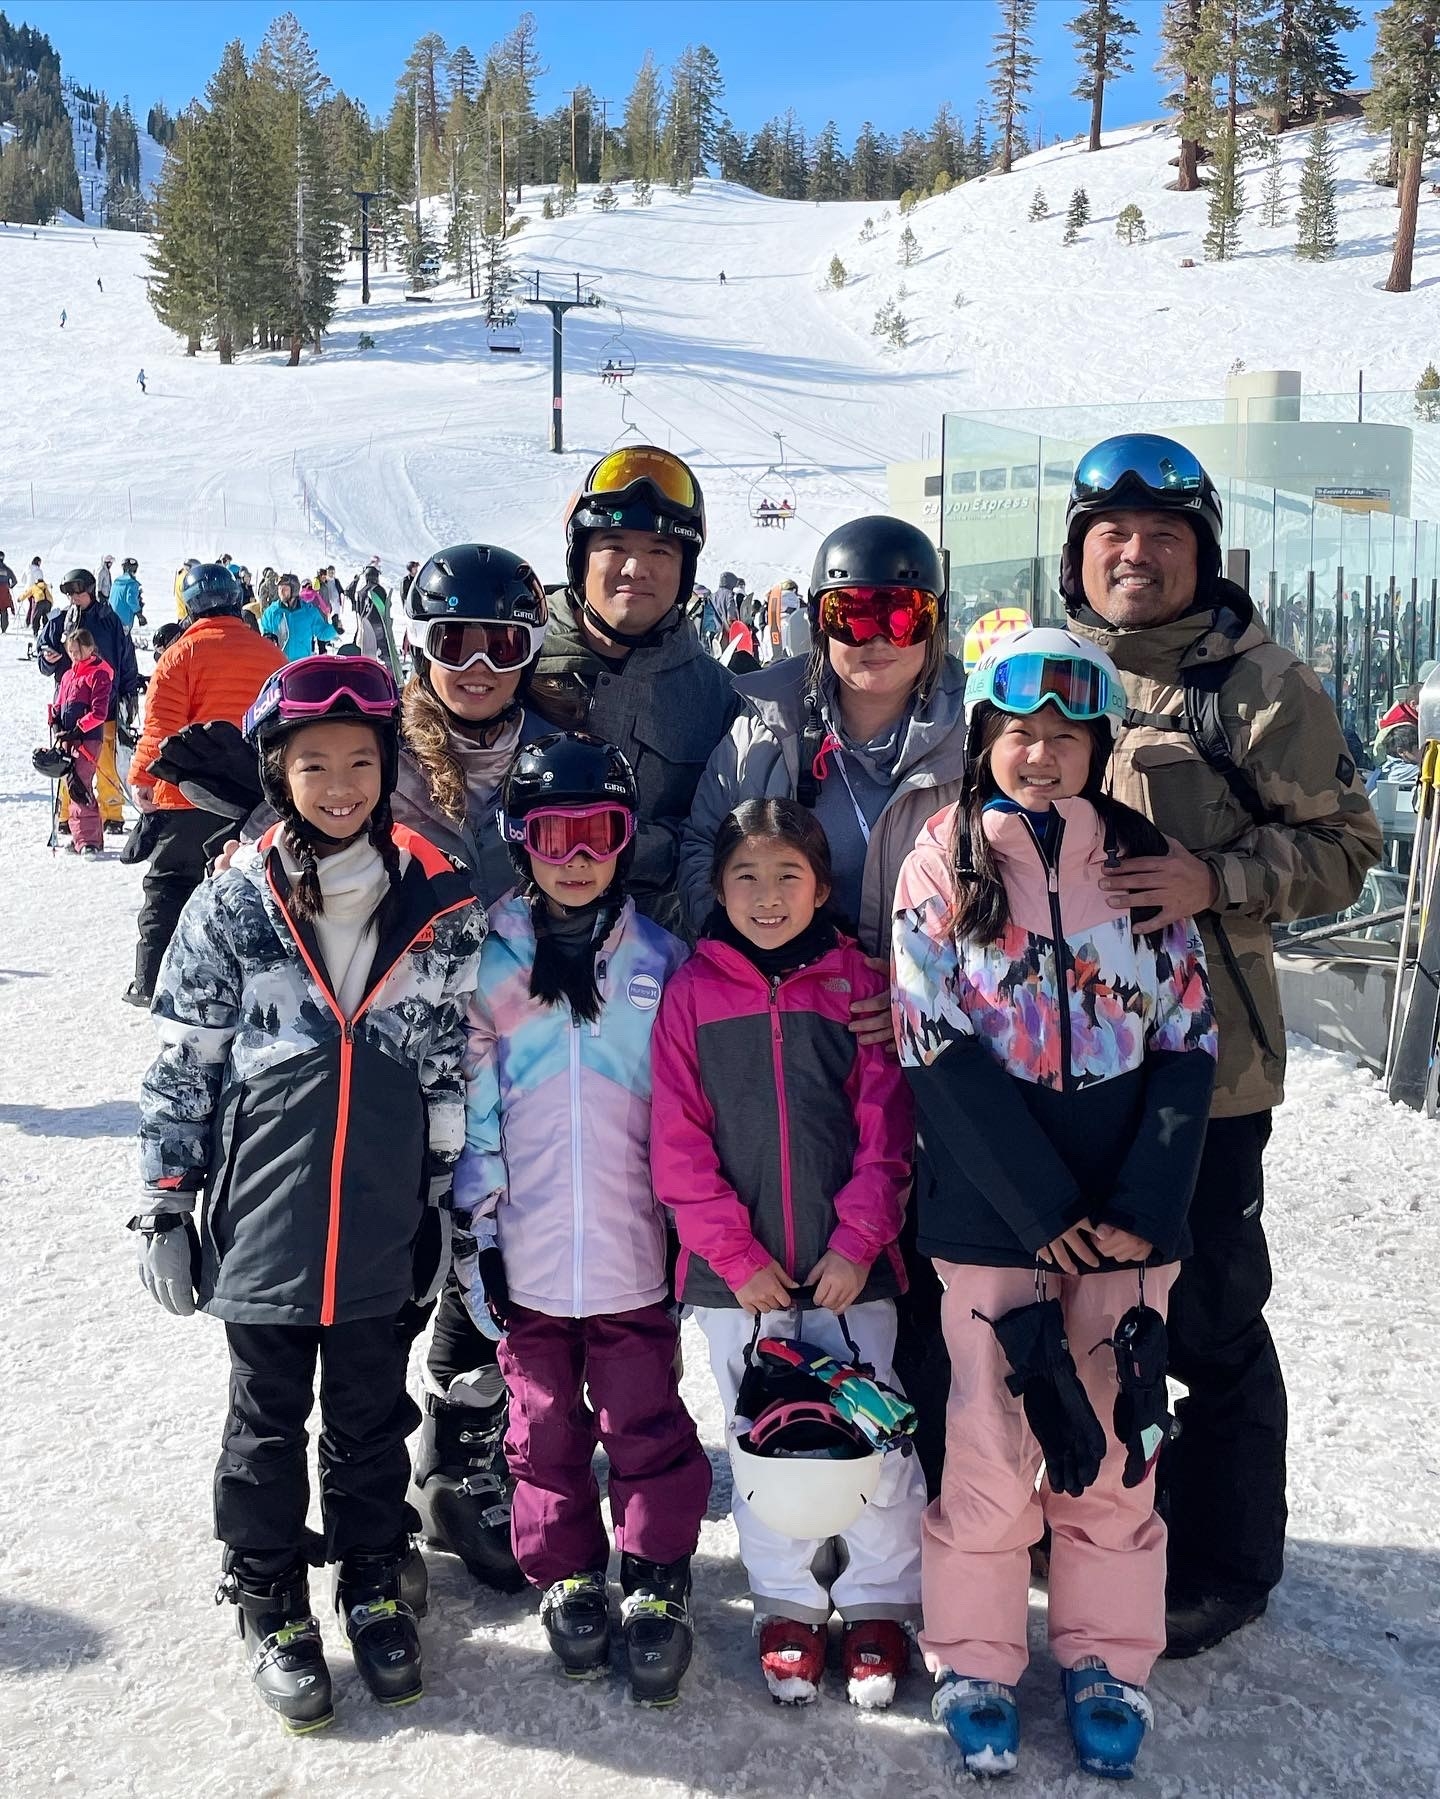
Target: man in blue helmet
1232 747
622 659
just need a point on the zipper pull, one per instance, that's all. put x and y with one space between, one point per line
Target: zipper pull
1052 877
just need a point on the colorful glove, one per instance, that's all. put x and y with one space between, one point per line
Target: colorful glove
1056 1405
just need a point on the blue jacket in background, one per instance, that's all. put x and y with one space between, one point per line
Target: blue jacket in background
297 629
125 599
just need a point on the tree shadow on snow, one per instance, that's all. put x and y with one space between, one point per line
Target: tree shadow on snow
36 1638
113 1118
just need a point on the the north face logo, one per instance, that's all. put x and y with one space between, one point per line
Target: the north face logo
424 940
837 984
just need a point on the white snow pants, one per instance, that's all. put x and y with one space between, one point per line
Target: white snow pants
880 1553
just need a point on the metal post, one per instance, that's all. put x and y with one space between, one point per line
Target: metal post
1340 624
1414 662
557 379
1434 601
1367 641
1392 593
364 197
1310 617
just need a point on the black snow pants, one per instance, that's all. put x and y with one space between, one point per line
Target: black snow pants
177 867
262 1486
456 1346
1222 1481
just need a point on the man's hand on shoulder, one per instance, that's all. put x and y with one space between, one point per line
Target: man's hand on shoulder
1180 884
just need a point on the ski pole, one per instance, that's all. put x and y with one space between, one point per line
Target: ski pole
53 842
1420 850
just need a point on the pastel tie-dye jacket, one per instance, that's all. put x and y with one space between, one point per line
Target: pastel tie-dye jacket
1062 1072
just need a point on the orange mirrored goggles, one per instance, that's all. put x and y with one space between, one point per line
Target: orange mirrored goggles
621 469
858 615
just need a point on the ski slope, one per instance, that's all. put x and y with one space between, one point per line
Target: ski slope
428 437
118 1676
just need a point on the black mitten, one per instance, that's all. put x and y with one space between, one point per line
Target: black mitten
1044 1378
491 1265
1142 1406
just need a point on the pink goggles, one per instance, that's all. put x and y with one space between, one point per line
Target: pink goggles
558 835
316 685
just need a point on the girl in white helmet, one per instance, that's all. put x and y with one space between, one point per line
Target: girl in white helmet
1062 1061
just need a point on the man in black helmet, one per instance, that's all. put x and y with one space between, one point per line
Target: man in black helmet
623 661
113 643
1232 747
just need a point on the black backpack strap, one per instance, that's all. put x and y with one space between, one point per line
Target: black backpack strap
1199 718
812 739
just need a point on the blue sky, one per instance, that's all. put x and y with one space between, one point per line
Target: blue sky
892 61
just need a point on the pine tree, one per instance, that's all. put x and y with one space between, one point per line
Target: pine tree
423 77
1130 224
837 276
691 114
641 129
1427 394
605 200
1227 200
1077 214
640 191
867 165
1099 31
945 149
979 149
1191 32
1039 206
1014 65
828 173
1296 57
1317 231
892 325
1272 195
1405 92
908 253
867 230
517 66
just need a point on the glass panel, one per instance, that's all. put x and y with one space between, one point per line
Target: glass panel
990 521
1292 567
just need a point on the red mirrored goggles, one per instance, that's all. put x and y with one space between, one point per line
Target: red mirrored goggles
858 615
458 644
558 835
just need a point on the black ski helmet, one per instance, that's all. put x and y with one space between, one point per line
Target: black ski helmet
210 587
78 577
638 506
567 768
876 551
1149 479
273 727
129 566
475 582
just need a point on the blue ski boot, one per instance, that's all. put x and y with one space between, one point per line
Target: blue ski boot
981 1719
1108 1719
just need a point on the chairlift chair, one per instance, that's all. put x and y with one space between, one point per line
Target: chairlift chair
773 500
616 362
503 331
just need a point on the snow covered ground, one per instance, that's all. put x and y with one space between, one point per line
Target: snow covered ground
118 1676
428 437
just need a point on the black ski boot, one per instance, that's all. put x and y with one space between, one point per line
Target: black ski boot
282 1642
576 1616
461 1487
655 1616
380 1625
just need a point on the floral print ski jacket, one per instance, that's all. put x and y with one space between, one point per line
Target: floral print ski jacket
1062 1072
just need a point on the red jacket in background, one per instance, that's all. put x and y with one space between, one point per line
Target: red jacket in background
82 698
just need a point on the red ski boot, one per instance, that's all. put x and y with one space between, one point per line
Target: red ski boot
874 1653
792 1658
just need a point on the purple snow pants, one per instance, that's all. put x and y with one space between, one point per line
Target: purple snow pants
659 1475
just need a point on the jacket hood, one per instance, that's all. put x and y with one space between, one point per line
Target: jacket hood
776 696
1197 639
727 961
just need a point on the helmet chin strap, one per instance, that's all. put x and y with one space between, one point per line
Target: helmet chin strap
657 633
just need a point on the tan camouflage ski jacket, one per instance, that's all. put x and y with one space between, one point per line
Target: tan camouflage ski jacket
1309 857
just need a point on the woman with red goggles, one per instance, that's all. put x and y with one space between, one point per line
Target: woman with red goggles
868 731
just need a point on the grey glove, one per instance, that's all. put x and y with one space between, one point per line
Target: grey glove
433 1264
169 1259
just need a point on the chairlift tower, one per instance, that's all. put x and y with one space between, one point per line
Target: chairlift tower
364 196
557 310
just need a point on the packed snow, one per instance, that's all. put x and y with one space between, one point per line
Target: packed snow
117 1676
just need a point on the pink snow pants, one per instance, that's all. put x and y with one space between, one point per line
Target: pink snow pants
1107 1554
86 831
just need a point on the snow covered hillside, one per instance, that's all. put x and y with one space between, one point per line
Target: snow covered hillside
428 438
118 1677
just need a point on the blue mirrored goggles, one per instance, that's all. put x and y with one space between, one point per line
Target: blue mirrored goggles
1024 683
1158 466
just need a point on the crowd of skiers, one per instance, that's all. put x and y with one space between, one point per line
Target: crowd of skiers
918 1034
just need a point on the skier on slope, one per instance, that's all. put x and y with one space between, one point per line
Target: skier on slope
1267 823
106 577
116 649
7 592
298 628
126 597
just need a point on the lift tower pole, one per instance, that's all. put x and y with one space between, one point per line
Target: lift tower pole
364 197
557 310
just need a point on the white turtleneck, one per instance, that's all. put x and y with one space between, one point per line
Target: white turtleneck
353 882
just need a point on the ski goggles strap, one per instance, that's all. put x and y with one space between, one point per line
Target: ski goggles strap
1080 688
315 685
665 472
502 645
557 835
858 615
1165 470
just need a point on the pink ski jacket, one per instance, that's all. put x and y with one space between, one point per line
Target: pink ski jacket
774 1132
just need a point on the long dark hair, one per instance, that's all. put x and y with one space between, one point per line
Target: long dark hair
556 978
982 910
778 821
307 901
